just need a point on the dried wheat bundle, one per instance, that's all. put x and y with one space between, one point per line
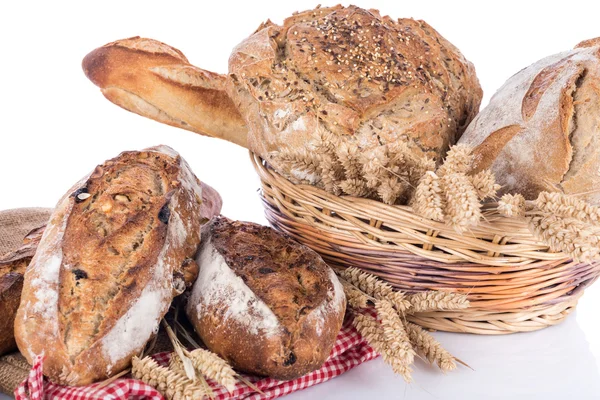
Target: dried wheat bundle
569 235
512 205
171 384
568 207
437 301
387 172
209 365
389 333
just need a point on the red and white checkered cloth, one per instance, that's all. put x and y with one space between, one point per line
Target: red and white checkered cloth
349 351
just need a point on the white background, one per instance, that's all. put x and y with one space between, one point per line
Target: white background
56 126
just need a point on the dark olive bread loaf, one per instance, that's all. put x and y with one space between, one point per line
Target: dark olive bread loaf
118 247
263 302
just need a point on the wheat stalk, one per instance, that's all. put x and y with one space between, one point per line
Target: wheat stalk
355 297
462 207
512 205
171 384
437 301
459 160
393 332
568 207
374 287
430 348
428 201
211 366
485 184
371 331
578 239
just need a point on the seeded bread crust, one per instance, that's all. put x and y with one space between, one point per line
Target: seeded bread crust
117 249
12 268
293 305
541 130
354 77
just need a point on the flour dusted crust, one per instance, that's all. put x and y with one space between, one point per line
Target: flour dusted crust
541 130
118 247
266 304
12 268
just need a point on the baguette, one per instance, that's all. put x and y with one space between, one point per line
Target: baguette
118 247
156 81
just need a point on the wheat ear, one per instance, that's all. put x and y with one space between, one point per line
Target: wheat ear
578 239
171 384
485 184
210 365
462 206
428 201
437 301
374 287
393 331
430 348
512 205
568 207
459 160
371 331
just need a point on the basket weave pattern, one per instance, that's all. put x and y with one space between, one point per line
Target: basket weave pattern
514 282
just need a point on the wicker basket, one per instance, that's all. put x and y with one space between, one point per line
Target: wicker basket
514 282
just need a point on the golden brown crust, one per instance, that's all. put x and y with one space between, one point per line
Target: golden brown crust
293 304
12 268
109 264
541 130
155 80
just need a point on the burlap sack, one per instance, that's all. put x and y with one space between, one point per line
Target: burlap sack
14 225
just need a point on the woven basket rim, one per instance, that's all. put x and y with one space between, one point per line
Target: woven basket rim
497 240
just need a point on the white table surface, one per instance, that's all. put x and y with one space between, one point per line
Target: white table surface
58 126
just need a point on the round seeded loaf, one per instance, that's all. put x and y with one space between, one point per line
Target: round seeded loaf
541 130
341 97
266 304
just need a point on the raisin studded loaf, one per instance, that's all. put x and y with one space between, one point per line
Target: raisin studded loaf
541 130
118 247
263 302
319 97
13 265
12 268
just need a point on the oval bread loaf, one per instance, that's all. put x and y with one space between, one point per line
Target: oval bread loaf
13 265
118 247
266 304
541 130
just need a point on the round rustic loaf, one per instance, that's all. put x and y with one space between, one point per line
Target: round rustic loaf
266 304
541 130
333 88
